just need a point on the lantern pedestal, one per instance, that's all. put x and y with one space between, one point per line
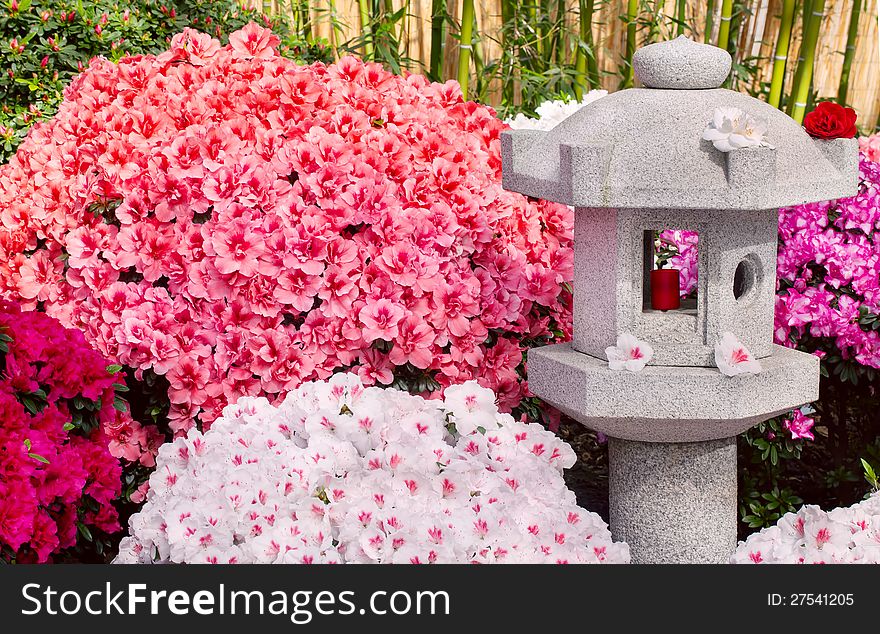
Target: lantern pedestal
674 502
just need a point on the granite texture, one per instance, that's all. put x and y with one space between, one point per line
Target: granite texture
674 503
681 64
643 148
670 404
609 269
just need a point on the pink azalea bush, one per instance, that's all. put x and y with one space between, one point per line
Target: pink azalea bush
829 273
57 476
342 473
227 223
812 536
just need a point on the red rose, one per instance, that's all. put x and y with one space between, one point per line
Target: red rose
831 121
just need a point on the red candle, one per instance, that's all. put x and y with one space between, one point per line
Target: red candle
665 289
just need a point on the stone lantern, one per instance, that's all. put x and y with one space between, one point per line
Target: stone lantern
632 163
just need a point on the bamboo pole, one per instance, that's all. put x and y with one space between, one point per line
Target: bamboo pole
584 78
724 26
560 32
364 12
807 11
508 13
305 12
465 45
852 35
632 14
780 57
680 15
710 21
800 93
438 22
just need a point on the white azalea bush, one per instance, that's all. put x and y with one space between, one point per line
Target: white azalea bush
552 113
846 535
340 473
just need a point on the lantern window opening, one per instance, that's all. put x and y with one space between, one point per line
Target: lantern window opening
668 281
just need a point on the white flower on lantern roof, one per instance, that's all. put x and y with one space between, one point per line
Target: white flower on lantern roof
629 353
733 358
732 129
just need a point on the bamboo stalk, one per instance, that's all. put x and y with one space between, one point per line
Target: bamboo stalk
560 32
680 15
580 63
336 33
592 60
533 18
800 93
710 21
724 26
508 14
306 21
799 72
438 22
632 14
364 12
780 57
465 45
545 45
848 56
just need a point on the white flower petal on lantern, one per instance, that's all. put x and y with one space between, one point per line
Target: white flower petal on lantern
629 354
733 358
732 129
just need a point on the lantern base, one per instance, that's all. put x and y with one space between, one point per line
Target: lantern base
674 502
670 403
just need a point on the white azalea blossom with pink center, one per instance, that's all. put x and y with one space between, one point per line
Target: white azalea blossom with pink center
733 358
553 112
846 535
342 473
629 353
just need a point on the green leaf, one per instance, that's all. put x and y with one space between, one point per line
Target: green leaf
84 531
38 458
114 369
27 444
29 404
69 426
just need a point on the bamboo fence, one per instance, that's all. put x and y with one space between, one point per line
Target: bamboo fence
756 39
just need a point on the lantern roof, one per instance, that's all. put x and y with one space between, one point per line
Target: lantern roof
644 148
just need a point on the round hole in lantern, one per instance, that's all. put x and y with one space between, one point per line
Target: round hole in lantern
746 278
665 289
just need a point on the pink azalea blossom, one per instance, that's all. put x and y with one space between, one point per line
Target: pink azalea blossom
799 425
